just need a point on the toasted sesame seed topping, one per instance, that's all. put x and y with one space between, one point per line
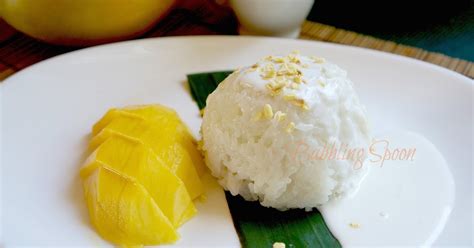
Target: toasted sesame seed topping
279 60
269 74
297 79
296 101
279 245
201 112
294 59
268 58
321 83
267 111
291 127
279 116
268 71
254 67
318 60
276 87
289 97
354 225
284 73
247 85
294 86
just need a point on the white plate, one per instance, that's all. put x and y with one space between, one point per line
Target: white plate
48 110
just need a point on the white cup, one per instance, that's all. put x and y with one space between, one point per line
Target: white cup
282 18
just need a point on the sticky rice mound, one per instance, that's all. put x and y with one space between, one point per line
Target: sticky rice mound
266 127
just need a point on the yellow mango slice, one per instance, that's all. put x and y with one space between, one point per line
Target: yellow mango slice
130 158
146 112
123 212
160 115
162 143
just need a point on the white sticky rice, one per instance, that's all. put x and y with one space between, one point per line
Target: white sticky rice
265 124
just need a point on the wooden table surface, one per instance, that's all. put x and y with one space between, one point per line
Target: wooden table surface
203 17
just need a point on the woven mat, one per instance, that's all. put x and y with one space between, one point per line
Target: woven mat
18 51
321 32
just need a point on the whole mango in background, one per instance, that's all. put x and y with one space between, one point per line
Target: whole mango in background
83 22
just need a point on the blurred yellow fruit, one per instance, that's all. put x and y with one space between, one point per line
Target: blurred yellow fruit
83 22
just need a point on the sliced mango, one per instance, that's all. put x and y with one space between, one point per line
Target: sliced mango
141 178
131 159
146 112
160 115
123 212
160 140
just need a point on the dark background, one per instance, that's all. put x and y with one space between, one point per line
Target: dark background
441 26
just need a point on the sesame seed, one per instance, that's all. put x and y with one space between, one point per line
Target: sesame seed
254 67
276 86
201 112
273 91
267 111
279 116
268 71
318 60
289 97
246 85
294 59
321 83
279 245
268 74
268 58
294 86
292 69
296 101
279 60
354 225
280 84
297 79
281 79
291 127
283 69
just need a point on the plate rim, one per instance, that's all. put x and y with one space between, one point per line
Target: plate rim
387 57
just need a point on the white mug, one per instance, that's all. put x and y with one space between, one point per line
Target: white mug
282 18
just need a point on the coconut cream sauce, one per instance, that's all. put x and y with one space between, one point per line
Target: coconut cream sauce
402 203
